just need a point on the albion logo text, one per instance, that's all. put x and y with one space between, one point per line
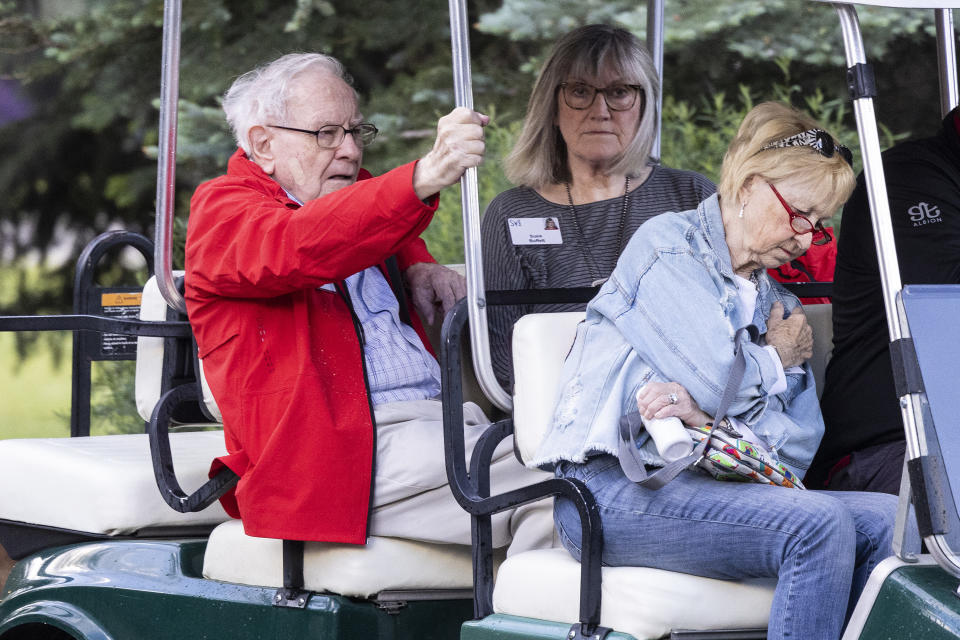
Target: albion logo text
924 213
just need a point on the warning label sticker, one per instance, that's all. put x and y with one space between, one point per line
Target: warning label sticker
122 306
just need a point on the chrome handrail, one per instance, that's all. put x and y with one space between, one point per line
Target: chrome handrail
470 202
167 156
947 61
911 403
655 45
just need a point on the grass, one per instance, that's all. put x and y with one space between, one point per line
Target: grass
36 392
35 396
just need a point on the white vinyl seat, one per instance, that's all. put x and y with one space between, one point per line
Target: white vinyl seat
383 564
545 584
104 485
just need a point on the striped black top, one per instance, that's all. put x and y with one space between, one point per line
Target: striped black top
509 266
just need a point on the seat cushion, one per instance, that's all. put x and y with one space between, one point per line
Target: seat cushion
384 564
820 318
647 603
102 484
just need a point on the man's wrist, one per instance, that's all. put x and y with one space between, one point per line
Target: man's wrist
422 186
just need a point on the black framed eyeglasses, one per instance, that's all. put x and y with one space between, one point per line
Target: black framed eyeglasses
817 139
619 97
331 136
801 224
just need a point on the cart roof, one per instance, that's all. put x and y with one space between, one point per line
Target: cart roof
902 4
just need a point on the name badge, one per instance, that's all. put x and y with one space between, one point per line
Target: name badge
534 230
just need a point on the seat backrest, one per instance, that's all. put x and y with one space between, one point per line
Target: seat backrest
149 373
820 317
931 312
541 342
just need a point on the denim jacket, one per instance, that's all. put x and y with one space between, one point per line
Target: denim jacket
669 312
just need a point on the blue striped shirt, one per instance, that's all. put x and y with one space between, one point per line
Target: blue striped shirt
399 367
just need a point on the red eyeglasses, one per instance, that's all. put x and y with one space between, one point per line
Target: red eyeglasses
801 224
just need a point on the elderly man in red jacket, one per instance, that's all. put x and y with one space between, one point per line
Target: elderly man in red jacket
327 387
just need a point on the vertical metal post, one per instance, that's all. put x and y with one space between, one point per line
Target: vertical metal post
470 201
873 172
883 238
167 156
655 45
946 61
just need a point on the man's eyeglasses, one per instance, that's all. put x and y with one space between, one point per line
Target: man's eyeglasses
801 224
331 135
619 97
817 139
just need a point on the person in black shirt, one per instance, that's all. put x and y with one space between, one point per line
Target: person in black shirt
863 446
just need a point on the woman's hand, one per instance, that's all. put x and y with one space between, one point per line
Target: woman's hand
666 399
791 337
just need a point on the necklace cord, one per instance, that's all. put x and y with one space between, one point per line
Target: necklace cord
581 240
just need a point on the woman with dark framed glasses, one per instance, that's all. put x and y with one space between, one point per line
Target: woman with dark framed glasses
582 160
660 338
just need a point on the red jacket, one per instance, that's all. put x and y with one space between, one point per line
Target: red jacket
816 265
281 356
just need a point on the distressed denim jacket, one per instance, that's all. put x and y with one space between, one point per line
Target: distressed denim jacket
669 312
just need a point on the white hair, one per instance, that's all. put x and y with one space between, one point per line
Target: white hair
259 97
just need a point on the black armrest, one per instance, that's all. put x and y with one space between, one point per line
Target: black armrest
471 489
158 432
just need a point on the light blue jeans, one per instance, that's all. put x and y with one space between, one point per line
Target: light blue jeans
821 546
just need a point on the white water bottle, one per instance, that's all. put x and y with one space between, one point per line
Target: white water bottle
669 436
672 440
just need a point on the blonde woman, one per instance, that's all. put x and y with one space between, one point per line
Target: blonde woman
663 327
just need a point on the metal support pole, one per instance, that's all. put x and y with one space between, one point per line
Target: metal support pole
946 61
873 172
470 201
167 156
655 45
910 404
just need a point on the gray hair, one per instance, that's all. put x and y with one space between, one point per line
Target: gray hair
259 97
539 156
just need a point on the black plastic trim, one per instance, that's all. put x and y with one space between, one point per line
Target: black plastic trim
928 495
20 539
861 82
582 295
907 377
292 594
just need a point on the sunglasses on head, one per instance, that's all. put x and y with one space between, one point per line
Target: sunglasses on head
817 139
